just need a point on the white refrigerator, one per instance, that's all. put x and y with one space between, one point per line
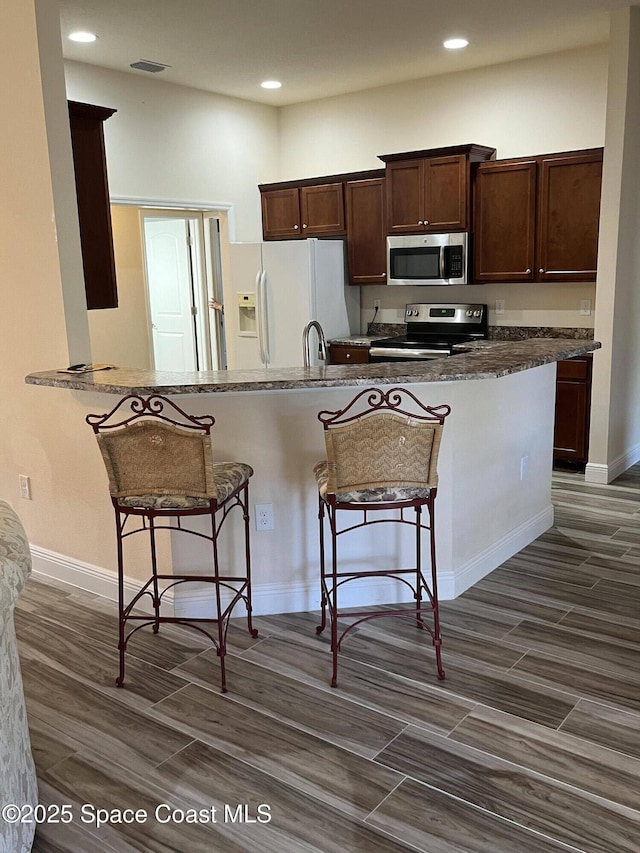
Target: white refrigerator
274 289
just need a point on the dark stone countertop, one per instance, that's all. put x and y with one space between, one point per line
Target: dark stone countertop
483 360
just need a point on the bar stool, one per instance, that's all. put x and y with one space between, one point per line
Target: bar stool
382 453
160 466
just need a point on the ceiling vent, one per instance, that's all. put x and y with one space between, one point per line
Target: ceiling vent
147 65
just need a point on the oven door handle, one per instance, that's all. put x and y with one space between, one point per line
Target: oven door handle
407 354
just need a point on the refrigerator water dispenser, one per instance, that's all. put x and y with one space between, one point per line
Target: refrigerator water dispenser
247 315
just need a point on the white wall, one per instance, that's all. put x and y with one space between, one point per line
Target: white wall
172 143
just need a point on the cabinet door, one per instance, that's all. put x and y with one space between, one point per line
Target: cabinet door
568 217
322 210
281 214
366 233
341 354
405 196
94 211
445 193
573 401
504 221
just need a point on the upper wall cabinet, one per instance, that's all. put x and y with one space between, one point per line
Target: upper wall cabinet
536 219
430 190
366 231
569 188
94 212
302 211
504 221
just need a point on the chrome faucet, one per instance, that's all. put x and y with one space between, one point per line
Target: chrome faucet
322 343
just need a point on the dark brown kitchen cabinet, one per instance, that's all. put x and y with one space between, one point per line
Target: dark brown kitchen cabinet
322 210
573 404
306 211
343 354
281 213
94 212
568 216
427 195
504 221
430 190
366 231
536 219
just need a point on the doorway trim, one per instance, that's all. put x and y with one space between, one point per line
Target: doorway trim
172 204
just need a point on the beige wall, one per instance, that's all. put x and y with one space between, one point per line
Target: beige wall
555 102
174 144
42 433
615 430
121 335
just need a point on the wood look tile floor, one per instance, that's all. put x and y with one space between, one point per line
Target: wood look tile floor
530 745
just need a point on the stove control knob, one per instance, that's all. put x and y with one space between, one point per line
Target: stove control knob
469 312
476 313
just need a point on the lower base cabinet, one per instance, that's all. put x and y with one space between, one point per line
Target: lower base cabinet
342 354
573 405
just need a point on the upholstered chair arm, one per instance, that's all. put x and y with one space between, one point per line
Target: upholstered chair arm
15 562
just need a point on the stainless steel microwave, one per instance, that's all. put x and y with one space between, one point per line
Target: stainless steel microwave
428 259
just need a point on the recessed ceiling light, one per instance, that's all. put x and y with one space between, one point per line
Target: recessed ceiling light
455 44
271 84
83 37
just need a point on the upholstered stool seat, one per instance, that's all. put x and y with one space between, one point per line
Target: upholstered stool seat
382 452
381 494
227 478
160 465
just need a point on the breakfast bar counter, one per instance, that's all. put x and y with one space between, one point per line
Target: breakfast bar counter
495 463
483 360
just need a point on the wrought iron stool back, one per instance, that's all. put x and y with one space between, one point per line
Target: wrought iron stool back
160 465
382 454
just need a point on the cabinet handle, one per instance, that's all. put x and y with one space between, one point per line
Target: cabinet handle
426 222
305 225
420 222
528 270
348 355
540 270
295 227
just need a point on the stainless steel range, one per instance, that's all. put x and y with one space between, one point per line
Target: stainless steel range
434 330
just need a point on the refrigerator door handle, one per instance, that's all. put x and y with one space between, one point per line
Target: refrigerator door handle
262 324
264 313
259 315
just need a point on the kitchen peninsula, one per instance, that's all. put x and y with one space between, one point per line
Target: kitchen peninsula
495 461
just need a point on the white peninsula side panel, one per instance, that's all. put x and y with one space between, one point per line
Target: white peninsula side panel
493 499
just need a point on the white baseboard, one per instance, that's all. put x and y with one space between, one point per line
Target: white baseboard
603 474
192 601
454 584
95 579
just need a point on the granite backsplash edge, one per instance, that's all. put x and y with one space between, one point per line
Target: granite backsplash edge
498 333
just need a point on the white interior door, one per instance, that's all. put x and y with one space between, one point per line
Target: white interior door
171 293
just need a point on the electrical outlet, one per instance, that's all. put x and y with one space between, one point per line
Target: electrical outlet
524 467
499 306
376 304
25 486
264 516
585 307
